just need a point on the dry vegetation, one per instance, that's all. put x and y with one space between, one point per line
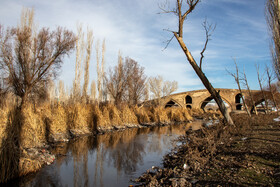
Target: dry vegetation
24 129
245 155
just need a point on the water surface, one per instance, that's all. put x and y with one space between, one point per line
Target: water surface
112 159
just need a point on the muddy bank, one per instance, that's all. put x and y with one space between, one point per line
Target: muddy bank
248 154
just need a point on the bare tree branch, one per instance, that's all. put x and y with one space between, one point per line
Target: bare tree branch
209 29
237 80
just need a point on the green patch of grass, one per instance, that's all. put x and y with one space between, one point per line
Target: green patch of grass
253 177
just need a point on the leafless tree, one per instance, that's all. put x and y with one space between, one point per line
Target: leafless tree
126 81
116 81
80 46
51 91
270 86
100 71
182 10
136 81
147 91
161 88
156 86
86 63
273 21
61 91
237 80
249 91
29 59
260 80
93 91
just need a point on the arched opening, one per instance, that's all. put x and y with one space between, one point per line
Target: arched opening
188 99
171 104
210 104
239 107
238 98
261 106
189 106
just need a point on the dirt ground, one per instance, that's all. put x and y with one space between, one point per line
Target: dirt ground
247 154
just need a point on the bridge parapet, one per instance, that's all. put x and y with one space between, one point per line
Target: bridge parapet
197 99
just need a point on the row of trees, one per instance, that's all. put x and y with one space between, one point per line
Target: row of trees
30 60
126 82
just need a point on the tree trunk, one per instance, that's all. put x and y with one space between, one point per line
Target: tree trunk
205 81
243 100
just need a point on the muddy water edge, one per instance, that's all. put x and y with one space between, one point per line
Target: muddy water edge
110 159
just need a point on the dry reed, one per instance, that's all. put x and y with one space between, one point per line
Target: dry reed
80 119
142 115
56 122
33 131
9 150
128 116
160 115
114 115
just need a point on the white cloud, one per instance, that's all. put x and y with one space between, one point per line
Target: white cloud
135 28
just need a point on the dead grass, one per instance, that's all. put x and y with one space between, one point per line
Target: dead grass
159 115
34 127
55 119
98 119
106 116
128 116
33 131
178 115
114 114
142 115
10 149
79 119
3 123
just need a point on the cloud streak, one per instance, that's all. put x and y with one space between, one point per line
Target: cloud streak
135 28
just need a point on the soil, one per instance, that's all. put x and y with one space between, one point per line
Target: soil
247 154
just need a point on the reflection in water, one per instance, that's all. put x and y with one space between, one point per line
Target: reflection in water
112 159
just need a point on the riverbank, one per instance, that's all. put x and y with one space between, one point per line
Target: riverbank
247 154
26 134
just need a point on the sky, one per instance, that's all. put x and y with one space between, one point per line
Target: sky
139 30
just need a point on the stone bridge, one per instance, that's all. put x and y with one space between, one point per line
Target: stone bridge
200 98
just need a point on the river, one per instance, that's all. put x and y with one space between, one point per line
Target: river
111 159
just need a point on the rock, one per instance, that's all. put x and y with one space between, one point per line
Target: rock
59 137
78 133
176 182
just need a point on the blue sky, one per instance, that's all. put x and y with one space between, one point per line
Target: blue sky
135 28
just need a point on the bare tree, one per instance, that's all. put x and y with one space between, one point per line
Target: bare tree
116 81
147 91
101 86
28 58
273 21
98 70
189 6
136 81
161 88
103 89
86 63
93 91
79 56
260 80
250 93
51 91
156 85
61 90
169 87
237 80
271 89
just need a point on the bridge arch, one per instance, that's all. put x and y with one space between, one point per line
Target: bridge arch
188 102
257 103
206 100
172 103
238 101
